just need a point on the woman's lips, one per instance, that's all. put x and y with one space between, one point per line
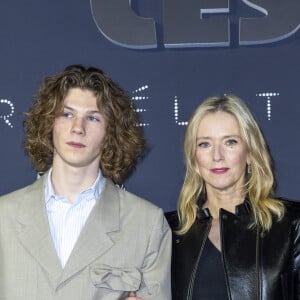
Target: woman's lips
219 170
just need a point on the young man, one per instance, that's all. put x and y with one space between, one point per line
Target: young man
74 234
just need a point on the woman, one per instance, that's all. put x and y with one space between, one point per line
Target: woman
232 239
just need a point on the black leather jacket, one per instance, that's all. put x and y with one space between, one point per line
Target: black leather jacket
256 267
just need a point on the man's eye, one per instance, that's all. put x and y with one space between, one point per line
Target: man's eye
67 115
93 118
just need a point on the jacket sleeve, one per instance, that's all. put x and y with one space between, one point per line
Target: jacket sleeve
296 270
156 268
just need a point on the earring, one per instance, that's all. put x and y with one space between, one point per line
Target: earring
249 168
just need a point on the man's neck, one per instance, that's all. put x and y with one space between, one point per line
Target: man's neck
69 181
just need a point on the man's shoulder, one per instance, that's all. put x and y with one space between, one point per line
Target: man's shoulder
18 195
14 194
129 199
132 198
141 211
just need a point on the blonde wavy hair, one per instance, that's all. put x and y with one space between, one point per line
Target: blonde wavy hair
259 183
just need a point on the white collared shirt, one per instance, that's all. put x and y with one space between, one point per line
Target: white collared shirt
67 219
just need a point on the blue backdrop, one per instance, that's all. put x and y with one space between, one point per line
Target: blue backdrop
169 57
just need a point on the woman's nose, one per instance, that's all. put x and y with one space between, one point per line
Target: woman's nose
218 153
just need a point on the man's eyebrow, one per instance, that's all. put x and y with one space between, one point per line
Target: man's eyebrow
93 112
88 111
69 107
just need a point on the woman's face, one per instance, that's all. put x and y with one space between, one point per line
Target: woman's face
221 154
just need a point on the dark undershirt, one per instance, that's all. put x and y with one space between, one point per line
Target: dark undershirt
210 277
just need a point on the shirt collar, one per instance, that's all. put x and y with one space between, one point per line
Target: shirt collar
94 190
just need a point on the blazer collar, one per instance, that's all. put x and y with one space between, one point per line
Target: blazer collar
34 232
93 241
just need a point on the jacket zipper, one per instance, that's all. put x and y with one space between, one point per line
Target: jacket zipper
191 285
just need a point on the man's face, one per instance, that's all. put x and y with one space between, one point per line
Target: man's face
79 131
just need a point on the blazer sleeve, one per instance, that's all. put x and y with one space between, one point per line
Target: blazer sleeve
156 268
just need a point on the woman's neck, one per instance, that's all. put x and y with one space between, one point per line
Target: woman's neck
227 201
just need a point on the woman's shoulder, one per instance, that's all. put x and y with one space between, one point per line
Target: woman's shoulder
292 207
287 202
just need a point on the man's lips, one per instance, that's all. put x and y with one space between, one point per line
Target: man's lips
219 170
76 145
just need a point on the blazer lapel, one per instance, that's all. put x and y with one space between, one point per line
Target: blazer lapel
34 232
94 240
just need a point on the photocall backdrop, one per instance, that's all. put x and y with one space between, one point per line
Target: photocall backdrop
169 55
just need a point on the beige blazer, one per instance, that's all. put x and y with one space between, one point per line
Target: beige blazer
125 245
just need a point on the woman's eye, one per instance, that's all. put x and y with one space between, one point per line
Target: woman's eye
203 145
231 142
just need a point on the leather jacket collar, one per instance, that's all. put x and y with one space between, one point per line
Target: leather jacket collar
240 210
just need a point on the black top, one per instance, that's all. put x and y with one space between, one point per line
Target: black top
210 277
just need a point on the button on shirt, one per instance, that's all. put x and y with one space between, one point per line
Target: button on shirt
67 219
